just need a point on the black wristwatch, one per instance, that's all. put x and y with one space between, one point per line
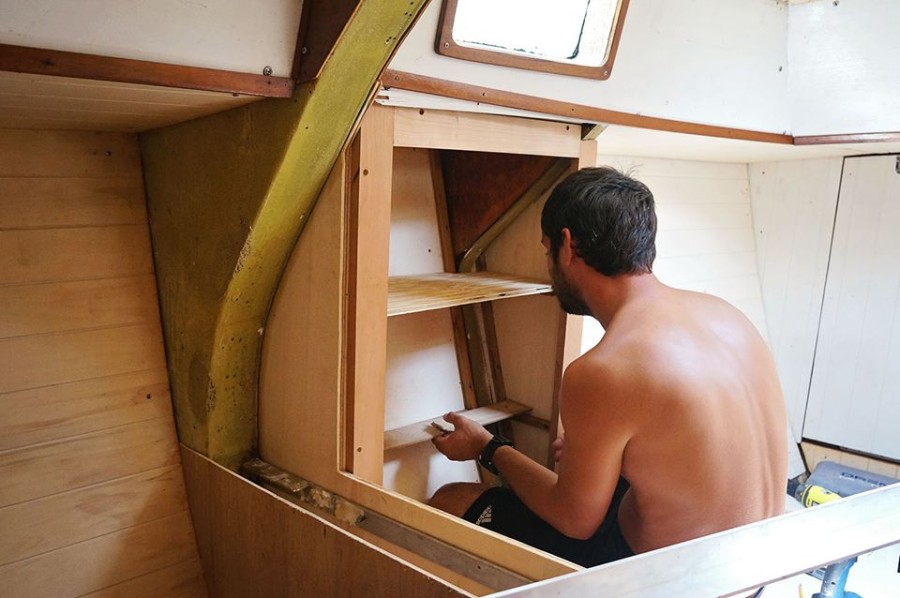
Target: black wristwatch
486 458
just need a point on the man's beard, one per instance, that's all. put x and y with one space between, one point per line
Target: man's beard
569 299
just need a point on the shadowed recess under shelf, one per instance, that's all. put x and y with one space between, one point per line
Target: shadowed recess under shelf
423 431
410 294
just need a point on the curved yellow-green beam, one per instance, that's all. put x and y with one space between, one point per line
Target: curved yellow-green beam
228 195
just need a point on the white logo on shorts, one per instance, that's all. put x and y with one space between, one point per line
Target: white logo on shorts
485 516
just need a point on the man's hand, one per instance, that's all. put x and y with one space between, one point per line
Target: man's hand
557 447
465 442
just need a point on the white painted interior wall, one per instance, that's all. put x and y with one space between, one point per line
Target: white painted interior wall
422 375
844 75
720 62
705 239
226 34
793 214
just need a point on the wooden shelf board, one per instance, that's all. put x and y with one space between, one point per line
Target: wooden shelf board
424 431
410 294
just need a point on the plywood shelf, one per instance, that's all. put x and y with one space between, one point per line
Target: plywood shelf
411 294
424 430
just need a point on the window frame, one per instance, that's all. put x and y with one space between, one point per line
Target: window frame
445 45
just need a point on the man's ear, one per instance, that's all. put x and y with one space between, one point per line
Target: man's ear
566 248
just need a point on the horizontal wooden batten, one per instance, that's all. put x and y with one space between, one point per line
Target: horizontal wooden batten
21 59
424 431
508 99
411 294
847 138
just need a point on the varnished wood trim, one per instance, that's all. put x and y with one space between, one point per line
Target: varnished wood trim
848 138
496 97
40 61
447 46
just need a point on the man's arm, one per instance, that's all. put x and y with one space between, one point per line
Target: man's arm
597 430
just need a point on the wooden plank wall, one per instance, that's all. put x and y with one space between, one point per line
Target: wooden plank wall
92 499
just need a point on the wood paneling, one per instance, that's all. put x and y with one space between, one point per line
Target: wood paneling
58 520
45 469
67 154
29 101
48 255
68 306
182 580
92 494
62 410
47 359
256 544
71 201
103 561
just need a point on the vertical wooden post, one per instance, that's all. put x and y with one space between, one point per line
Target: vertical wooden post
369 236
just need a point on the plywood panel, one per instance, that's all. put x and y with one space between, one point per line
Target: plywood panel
483 133
67 306
96 564
183 580
62 410
852 400
237 521
46 469
67 154
298 407
38 526
35 361
793 216
74 254
66 201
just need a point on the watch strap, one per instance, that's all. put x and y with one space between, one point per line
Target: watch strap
486 458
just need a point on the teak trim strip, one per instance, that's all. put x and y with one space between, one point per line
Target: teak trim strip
508 99
41 61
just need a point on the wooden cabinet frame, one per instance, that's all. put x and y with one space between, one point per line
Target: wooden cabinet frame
322 397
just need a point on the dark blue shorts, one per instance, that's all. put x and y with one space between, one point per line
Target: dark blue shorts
500 510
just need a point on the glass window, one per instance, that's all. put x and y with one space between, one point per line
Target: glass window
575 37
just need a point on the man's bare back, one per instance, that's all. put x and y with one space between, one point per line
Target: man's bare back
696 367
680 399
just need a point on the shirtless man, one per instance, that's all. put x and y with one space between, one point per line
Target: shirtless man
674 422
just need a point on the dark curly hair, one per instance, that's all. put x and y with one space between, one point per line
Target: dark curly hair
611 217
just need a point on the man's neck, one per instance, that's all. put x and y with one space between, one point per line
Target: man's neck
609 295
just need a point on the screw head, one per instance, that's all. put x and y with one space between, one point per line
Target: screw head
267 71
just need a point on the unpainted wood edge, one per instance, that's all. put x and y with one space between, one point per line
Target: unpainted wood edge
424 430
57 63
496 97
847 138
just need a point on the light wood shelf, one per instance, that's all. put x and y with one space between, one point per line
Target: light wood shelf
411 294
424 430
